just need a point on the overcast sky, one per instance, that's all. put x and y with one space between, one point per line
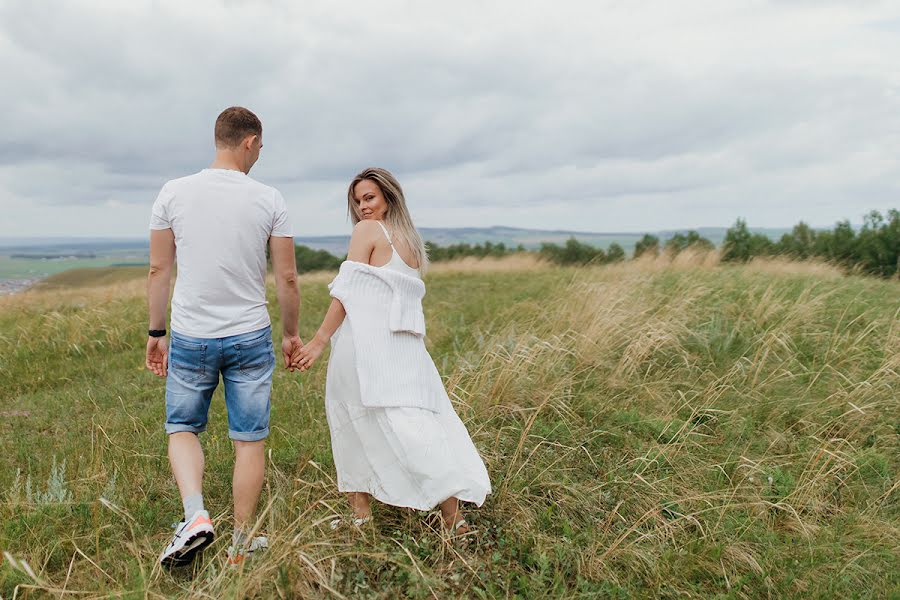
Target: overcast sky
595 115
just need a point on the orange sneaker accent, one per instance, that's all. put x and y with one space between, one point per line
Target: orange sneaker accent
200 521
236 560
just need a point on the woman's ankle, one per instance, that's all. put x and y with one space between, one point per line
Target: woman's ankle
361 505
450 512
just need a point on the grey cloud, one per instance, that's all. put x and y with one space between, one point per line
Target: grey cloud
480 107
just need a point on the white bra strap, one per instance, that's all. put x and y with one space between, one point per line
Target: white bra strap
386 234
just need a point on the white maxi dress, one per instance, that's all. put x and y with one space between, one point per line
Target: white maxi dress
409 457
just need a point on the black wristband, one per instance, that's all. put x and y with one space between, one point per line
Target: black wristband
157 333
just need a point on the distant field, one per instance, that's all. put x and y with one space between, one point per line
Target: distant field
90 277
652 430
29 268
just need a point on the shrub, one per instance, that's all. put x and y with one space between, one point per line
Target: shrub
315 260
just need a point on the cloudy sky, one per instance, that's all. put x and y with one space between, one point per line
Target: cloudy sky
599 115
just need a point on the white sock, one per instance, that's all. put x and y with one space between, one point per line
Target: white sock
192 504
238 538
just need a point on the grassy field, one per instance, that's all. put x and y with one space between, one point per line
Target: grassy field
651 430
35 268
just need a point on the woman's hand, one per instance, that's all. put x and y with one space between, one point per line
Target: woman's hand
309 353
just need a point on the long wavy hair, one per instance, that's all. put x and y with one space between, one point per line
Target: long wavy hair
397 218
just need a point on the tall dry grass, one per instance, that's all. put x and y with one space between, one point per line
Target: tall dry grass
659 428
814 392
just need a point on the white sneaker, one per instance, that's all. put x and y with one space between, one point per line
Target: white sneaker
191 536
237 555
356 522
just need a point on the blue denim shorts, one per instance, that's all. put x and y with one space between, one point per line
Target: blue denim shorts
246 363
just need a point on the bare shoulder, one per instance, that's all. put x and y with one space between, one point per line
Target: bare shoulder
365 231
362 241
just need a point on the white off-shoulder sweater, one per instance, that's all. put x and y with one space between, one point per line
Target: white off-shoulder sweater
388 327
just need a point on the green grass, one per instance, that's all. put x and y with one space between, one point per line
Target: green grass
650 432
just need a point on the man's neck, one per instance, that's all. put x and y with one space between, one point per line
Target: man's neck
226 160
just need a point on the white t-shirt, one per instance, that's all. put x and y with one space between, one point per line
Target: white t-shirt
222 220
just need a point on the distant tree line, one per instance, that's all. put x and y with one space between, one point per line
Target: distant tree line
438 253
649 244
322 260
579 253
874 249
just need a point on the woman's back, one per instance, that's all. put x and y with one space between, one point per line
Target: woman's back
396 261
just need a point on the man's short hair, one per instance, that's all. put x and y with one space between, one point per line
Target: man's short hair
235 124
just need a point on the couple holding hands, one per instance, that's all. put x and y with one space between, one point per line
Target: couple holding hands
394 433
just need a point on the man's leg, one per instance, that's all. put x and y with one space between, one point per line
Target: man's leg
249 363
192 378
249 470
186 458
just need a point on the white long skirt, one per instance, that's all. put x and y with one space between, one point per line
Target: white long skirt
410 457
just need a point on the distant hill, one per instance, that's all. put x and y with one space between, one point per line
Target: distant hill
69 246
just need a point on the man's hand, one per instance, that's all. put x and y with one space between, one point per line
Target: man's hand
290 348
158 356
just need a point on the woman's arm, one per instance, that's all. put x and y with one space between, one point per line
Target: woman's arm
362 242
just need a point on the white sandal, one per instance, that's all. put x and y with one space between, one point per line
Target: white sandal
459 525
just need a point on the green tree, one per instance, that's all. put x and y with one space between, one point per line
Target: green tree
315 260
740 245
615 253
435 252
648 243
799 243
573 253
878 244
680 242
736 246
438 253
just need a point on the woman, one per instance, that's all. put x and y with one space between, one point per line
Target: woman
394 433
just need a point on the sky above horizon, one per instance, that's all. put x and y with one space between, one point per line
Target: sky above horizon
592 116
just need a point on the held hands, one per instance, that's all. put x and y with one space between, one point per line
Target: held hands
157 356
157 360
291 347
309 353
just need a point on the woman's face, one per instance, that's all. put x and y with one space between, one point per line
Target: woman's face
370 200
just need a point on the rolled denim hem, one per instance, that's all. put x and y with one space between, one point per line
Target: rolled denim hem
249 436
178 428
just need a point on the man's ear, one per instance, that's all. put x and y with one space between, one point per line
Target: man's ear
249 141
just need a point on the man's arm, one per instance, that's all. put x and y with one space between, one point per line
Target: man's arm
284 268
162 258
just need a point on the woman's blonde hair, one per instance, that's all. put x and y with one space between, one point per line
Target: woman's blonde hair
397 218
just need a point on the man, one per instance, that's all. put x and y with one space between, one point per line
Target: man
220 221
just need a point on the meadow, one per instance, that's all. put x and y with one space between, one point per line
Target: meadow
653 428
